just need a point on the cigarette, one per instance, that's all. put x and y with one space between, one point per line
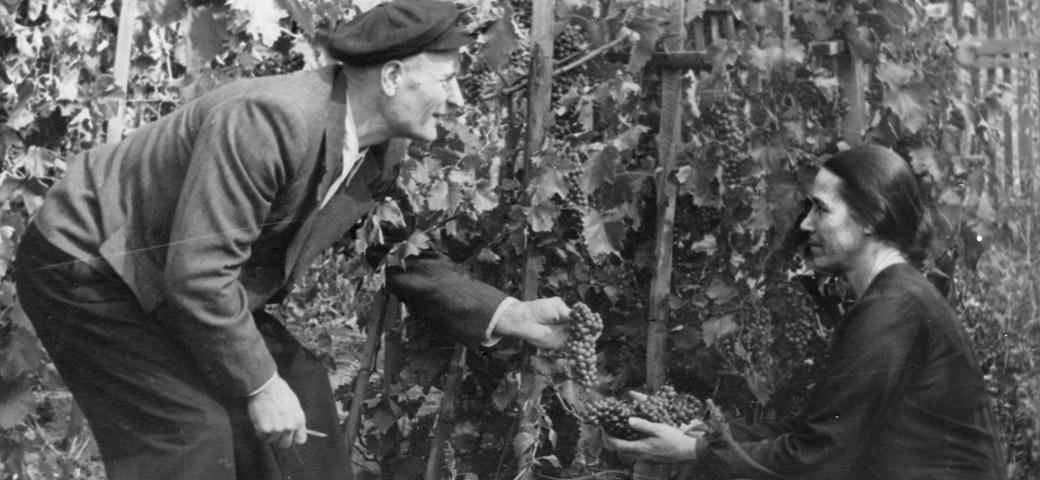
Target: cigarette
316 433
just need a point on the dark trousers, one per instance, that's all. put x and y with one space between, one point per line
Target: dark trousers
142 393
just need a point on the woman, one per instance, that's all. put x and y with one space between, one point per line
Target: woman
903 395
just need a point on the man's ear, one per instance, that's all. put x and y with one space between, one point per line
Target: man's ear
390 77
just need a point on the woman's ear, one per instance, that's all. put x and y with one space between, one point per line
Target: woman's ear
390 77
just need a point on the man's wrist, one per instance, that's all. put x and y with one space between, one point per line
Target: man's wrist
492 334
264 386
514 320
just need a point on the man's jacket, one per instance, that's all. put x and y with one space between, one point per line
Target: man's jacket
213 209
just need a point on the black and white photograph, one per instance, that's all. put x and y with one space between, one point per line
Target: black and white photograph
519 239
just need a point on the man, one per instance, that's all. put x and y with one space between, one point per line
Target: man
147 269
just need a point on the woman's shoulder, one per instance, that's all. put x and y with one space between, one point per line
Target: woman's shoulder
900 295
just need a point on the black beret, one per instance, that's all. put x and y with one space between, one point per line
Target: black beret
396 30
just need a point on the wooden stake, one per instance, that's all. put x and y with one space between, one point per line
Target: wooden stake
121 69
538 117
667 140
384 307
446 415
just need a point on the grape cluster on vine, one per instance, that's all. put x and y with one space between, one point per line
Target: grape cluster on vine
754 336
727 123
665 406
575 195
278 64
477 80
580 348
796 329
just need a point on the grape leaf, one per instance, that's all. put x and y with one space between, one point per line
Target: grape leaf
262 18
628 139
437 199
707 245
548 183
649 30
924 160
602 236
895 74
499 40
17 400
783 198
484 197
389 212
909 102
21 352
718 327
207 34
506 392
542 217
720 292
695 9
600 169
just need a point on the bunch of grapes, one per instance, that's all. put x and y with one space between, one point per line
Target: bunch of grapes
727 122
693 222
575 195
754 336
580 349
278 64
664 406
476 81
956 118
795 327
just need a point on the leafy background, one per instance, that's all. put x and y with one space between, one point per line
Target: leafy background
747 322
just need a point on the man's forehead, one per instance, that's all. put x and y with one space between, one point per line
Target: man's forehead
437 62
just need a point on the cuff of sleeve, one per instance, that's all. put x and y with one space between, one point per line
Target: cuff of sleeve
262 387
700 449
490 339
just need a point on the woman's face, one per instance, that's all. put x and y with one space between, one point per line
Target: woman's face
837 240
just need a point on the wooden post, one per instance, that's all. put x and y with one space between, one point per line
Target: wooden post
955 13
121 69
1009 120
384 306
850 76
993 179
975 93
539 88
446 415
669 135
668 138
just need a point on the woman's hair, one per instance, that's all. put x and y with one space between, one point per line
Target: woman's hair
883 193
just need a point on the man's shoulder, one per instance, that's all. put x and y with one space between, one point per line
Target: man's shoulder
306 90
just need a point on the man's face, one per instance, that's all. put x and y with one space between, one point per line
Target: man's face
426 89
836 238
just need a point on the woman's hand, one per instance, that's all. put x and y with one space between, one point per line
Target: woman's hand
665 444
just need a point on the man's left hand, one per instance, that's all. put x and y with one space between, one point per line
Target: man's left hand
542 322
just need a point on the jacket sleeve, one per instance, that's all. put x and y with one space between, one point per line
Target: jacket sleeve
437 290
239 162
869 365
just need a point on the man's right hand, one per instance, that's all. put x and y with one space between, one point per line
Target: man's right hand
277 416
542 322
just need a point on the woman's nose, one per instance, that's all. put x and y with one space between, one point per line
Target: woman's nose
807 224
